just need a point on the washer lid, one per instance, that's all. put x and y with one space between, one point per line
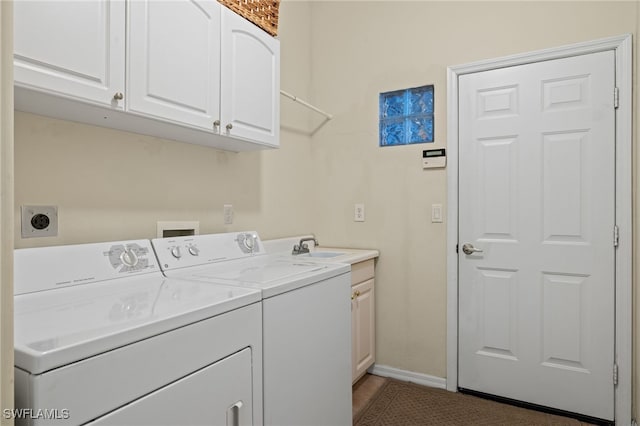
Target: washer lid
273 274
55 328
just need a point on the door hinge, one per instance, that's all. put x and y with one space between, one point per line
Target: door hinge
616 235
615 374
616 97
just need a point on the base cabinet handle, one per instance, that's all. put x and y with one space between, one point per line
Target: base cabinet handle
233 414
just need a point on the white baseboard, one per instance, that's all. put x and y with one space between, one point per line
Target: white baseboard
409 376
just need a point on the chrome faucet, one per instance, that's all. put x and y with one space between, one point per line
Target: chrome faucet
302 247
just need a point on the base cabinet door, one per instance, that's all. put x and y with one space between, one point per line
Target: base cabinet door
74 49
363 326
174 60
250 81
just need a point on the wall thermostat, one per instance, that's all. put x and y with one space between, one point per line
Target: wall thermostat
434 158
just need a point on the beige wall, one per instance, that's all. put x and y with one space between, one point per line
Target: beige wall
6 210
362 49
112 185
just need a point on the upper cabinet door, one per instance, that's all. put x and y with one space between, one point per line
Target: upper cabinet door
174 60
250 81
71 48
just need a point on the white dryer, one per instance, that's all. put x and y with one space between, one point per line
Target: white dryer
306 318
102 337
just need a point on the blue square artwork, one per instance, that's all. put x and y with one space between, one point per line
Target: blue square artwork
406 116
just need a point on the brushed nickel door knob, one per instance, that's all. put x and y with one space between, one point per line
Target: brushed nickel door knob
468 248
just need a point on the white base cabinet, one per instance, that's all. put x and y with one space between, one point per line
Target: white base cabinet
193 71
362 318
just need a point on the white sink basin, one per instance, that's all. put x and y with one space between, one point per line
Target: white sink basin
324 254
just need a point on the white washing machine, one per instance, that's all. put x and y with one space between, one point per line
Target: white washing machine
102 337
306 318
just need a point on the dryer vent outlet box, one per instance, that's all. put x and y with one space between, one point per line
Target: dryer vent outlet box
172 229
39 221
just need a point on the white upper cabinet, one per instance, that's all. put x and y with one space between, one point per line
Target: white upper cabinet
193 71
71 48
250 81
174 60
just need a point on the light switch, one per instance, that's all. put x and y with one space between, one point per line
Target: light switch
228 214
436 213
358 213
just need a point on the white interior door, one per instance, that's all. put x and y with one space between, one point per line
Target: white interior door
536 195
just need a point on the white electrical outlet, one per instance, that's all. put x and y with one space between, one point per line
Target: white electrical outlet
39 221
228 214
358 213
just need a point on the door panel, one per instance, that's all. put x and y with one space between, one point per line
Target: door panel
75 48
566 212
365 335
497 328
250 81
536 313
174 61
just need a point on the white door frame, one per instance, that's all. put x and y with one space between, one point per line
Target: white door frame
623 268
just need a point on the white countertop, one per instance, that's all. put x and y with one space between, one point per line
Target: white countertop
348 256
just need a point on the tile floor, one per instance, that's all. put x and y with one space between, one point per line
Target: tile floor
364 389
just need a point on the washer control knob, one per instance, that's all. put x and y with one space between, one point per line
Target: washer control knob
194 251
249 242
175 252
129 258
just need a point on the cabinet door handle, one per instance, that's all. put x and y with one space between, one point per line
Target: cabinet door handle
216 123
229 126
118 96
233 414
356 294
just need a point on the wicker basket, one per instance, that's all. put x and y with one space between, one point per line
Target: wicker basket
263 13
